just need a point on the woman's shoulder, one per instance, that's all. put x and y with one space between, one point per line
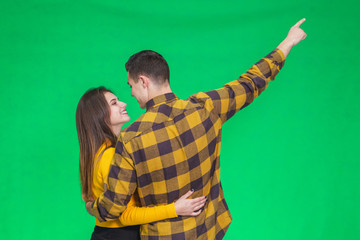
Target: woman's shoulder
106 155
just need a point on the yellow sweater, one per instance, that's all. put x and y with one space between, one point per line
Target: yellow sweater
133 215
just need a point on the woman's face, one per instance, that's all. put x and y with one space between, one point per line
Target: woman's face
118 114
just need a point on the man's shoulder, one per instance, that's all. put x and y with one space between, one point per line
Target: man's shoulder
162 115
133 130
143 124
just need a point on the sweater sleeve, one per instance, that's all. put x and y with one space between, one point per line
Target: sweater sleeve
134 215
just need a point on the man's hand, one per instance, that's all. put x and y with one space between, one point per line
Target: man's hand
295 35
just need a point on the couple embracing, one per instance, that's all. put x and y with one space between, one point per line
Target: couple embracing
162 172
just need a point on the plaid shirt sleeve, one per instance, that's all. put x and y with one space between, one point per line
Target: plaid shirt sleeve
122 184
238 94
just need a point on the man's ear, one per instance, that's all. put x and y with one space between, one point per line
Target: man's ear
144 80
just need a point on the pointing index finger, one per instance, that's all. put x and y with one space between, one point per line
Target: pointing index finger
299 22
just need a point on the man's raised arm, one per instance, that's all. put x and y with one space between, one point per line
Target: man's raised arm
237 94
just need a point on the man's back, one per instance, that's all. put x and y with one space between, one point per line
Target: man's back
175 147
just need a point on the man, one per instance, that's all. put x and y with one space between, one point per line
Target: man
175 145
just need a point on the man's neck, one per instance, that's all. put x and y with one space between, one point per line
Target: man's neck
159 91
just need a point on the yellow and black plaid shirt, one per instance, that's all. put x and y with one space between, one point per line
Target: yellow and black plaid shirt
174 147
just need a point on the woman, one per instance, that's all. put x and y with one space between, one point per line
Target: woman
99 119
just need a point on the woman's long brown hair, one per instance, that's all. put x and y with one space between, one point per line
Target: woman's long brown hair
92 124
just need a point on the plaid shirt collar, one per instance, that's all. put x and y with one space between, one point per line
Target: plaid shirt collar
167 97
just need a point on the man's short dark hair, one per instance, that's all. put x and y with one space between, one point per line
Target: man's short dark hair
148 63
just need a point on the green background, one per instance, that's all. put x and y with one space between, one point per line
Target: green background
290 161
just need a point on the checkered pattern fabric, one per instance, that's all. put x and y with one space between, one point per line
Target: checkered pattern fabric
175 147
